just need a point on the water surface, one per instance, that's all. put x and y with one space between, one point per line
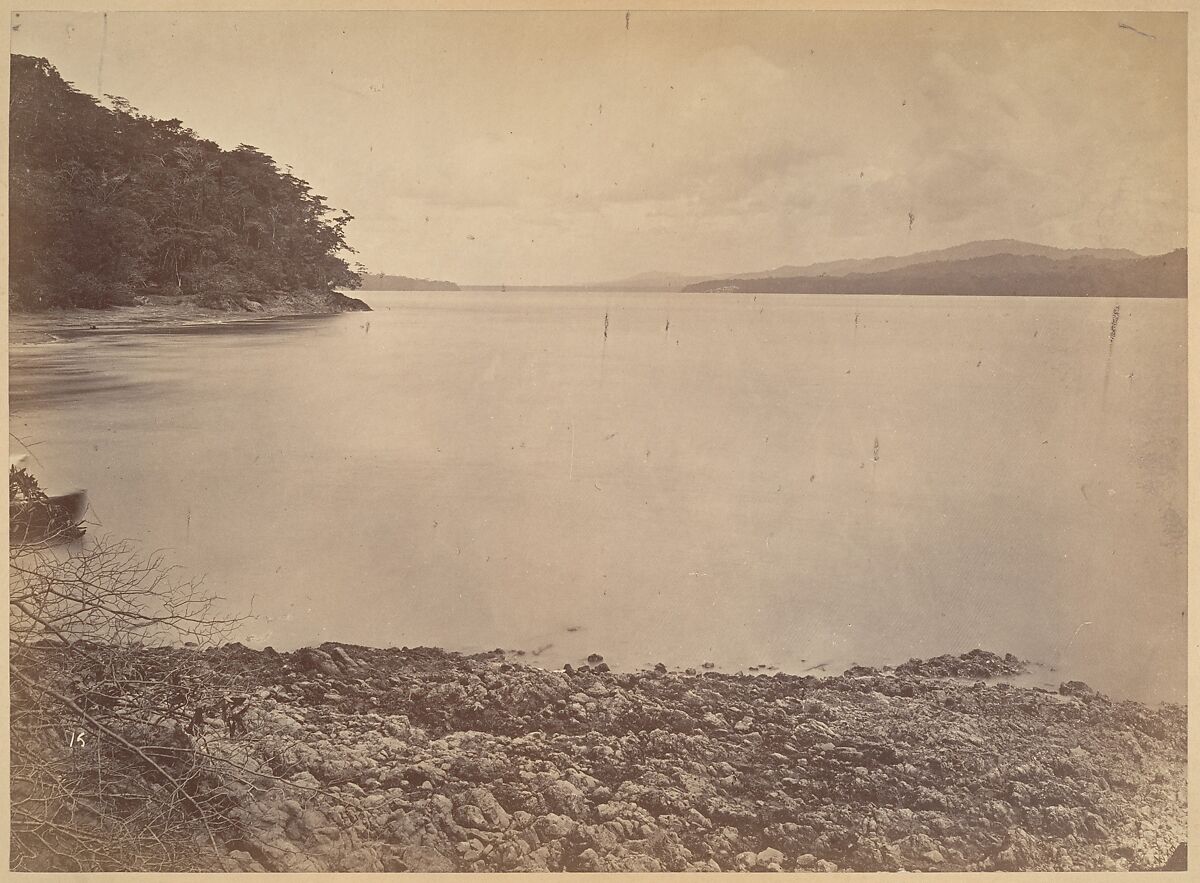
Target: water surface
788 480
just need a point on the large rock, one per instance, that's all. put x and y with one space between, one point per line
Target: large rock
561 797
770 856
424 859
478 809
554 827
311 659
1021 851
341 657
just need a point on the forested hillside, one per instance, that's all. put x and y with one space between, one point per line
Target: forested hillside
109 206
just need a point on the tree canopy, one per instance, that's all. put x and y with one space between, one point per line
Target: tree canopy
107 203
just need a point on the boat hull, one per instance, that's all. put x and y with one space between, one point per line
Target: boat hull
47 522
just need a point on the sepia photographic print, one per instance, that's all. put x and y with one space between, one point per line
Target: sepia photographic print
597 441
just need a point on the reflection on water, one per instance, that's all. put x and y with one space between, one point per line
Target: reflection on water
771 479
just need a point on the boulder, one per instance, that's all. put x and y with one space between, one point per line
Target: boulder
479 809
746 861
561 797
311 659
770 856
424 859
554 827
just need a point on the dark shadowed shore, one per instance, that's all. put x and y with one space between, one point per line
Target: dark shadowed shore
360 759
173 311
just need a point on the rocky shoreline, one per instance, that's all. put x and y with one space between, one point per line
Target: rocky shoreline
153 311
362 759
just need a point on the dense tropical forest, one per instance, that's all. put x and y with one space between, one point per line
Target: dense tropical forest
110 206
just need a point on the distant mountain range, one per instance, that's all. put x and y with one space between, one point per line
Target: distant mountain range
998 274
993 267
966 251
386 282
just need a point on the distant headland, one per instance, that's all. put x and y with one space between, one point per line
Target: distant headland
388 282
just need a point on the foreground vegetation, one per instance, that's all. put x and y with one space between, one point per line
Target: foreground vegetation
104 776
110 206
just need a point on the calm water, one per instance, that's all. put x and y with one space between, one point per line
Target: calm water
781 479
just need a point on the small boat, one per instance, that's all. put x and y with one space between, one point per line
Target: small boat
36 518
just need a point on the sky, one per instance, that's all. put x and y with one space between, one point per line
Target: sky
569 147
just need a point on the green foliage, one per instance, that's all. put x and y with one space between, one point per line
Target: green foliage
107 203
